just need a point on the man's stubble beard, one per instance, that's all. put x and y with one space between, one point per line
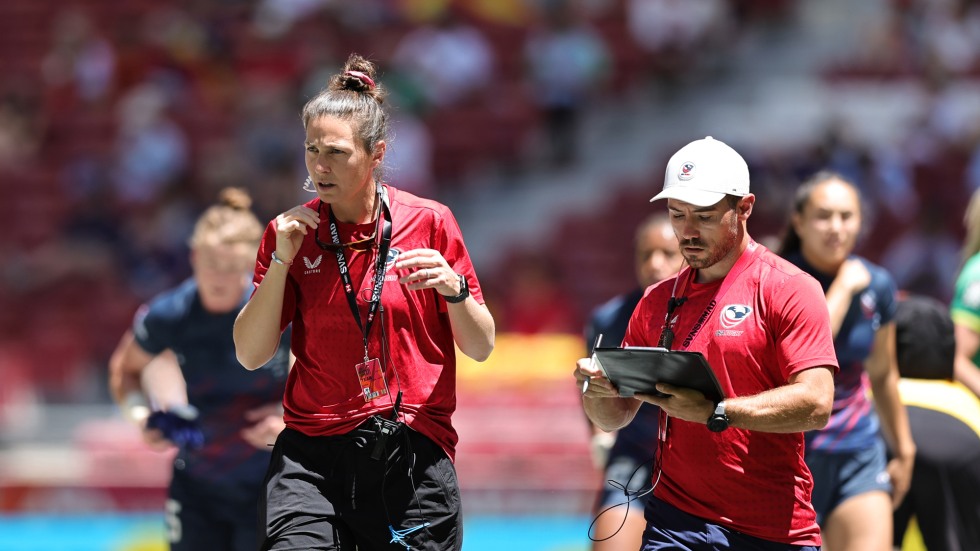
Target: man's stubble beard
720 252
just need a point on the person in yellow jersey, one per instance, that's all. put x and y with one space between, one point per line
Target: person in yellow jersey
944 415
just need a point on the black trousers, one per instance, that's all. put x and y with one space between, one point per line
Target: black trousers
329 493
945 492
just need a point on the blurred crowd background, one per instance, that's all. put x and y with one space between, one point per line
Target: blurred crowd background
544 124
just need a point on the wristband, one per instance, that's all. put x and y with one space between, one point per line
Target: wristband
278 260
135 407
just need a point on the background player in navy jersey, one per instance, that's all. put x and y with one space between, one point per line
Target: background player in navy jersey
380 290
852 481
630 459
179 351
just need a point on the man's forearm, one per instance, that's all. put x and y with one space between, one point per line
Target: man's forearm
610 414
796 407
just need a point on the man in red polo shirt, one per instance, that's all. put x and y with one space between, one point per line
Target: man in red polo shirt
731 474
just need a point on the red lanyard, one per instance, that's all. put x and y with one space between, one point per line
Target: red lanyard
751 252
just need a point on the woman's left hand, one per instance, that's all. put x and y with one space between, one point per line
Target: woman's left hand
427 269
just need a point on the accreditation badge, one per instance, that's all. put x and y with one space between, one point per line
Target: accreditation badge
372 377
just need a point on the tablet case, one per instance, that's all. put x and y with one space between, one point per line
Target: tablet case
637 369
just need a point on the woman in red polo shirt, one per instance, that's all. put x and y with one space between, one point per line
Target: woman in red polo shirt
380 289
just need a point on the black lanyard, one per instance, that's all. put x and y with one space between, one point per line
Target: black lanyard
379 268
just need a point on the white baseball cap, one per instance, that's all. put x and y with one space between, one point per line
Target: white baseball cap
703 172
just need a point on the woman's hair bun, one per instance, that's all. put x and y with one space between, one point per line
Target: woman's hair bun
359 75
235 197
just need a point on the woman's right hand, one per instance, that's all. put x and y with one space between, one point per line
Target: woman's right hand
291 227
854 275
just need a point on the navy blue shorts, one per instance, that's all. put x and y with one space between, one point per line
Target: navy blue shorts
203 516
842 475
631 459
670 528
328 492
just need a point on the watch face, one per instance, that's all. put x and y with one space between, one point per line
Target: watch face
717 423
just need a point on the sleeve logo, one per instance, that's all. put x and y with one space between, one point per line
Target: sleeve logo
971 296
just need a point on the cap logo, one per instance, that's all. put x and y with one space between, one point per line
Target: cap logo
687 171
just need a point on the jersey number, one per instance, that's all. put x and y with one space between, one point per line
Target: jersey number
172 510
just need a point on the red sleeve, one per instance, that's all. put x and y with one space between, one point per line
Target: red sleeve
802 329
449 241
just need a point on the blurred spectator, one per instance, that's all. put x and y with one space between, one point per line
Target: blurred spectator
887 48
154 245
409 159
84 252
504 12
19 412
79 57
924 257
448 61
892 187
972 182
567 62
20 128
951 33
267 127
274 18
151 150
675 25
177 37
534 300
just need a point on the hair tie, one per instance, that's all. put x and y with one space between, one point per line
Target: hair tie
361 77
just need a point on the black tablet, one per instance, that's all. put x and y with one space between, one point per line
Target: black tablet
637 370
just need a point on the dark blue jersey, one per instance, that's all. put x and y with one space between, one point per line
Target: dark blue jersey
853 423
217 384
610 320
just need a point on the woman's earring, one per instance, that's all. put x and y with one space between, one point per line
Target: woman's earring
308 185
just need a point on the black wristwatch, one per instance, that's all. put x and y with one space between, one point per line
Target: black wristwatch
464 291
718 420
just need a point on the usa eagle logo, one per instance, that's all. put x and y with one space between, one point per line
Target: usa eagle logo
687 171
734 314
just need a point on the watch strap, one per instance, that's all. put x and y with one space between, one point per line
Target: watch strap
718 421
464 291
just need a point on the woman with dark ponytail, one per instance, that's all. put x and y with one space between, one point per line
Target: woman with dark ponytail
380 290
854 488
